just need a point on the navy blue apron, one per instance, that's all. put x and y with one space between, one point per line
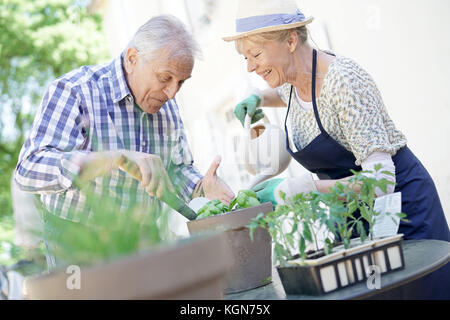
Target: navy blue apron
328 159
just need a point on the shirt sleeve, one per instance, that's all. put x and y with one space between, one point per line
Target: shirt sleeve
362 115
387 165
49 159
185 179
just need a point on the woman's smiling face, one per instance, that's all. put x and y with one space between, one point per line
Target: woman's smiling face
269 59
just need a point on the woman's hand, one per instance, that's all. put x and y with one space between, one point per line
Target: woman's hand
267 98
248 106
270 190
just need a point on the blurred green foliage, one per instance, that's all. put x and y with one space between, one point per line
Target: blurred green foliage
39 41
110 231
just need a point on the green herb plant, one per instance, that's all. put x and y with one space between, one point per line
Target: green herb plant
364 200
244 199
294 225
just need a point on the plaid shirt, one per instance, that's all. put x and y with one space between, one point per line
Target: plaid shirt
92 109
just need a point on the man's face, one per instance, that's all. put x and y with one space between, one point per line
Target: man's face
156 80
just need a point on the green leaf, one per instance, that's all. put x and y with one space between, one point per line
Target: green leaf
365 213
401 215
302 247
346 242
250 193
389 174
294 227
352 207
361 231
328 246
252 202
307 232
233 203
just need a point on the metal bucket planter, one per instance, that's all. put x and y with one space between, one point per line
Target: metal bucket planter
194 268
252 260
342 268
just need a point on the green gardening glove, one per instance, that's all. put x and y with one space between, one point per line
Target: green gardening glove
265 191
248 106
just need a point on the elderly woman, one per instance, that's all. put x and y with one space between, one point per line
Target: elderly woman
335 113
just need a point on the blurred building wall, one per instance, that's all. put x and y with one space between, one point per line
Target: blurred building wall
403 44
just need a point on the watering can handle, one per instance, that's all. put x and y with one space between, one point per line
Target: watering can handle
248 121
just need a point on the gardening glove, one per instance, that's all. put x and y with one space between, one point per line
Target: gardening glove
265 191
248 106
270 190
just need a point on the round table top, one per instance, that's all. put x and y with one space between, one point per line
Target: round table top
421 258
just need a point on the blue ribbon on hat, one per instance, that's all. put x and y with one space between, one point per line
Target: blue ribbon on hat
257 22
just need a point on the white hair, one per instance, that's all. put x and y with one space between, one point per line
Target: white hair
164 32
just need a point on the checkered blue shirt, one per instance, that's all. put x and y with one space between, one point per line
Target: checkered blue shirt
92 109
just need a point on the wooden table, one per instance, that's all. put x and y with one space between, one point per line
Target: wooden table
421 258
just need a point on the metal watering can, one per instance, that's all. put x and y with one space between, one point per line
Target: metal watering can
264 154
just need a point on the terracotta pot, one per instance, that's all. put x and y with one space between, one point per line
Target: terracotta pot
193 268
252 260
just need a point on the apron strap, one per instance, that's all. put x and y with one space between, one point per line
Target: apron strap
285 121
313 93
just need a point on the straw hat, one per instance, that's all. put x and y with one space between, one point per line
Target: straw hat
257 16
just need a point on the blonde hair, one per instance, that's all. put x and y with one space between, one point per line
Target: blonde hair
279 35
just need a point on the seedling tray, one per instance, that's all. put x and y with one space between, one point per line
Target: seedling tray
348 267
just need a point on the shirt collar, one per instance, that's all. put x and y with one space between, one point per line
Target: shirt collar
118 81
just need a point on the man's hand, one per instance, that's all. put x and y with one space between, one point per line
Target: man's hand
146 168
212 187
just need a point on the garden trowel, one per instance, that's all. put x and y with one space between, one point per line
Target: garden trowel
168 197
178 205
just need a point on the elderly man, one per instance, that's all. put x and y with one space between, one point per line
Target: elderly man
121 119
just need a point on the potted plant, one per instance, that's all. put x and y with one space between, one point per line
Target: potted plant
130 255
312 235
252 261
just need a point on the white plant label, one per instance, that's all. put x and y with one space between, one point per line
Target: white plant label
387 222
